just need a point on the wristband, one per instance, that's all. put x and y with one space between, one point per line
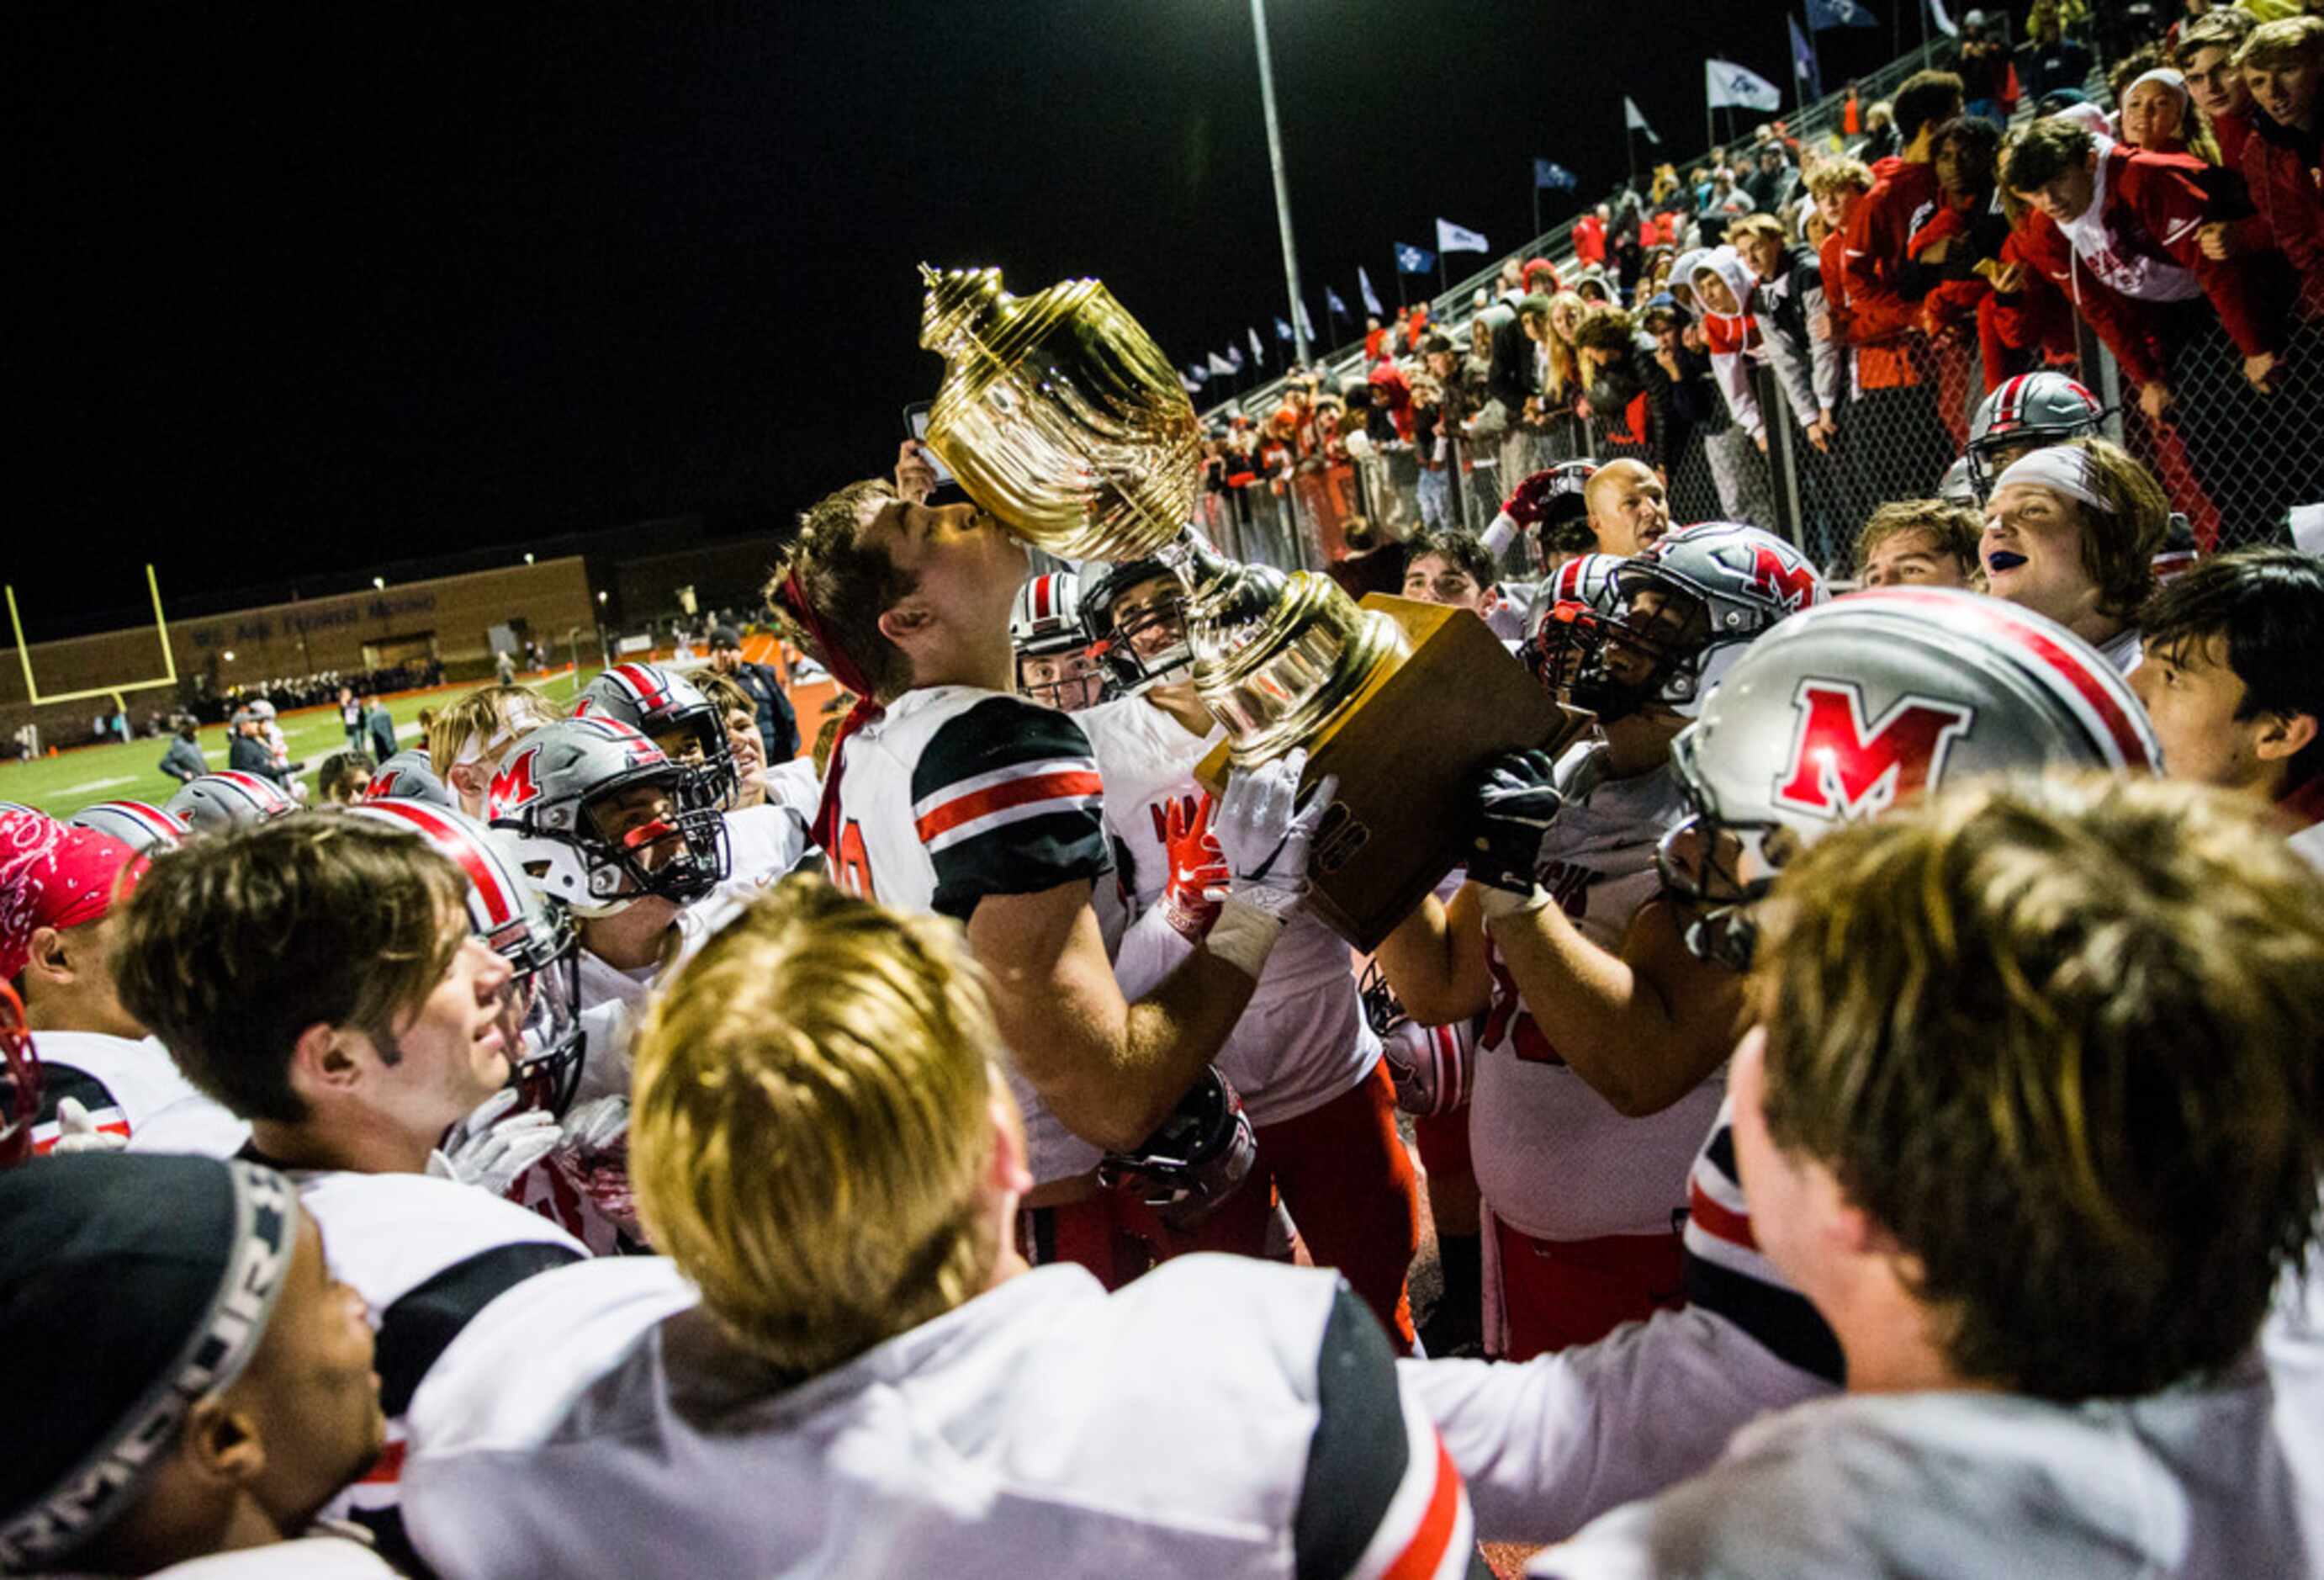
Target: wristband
1499 903
1243 935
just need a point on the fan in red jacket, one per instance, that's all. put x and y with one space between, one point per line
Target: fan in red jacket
1878 232
2118 230
2283 64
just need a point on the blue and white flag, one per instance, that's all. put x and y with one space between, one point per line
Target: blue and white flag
1741 88
1826 13
1257 351
1282 329
1193 385
1411 259
1234 358
1803 62
1194 375
1223 367
1306 321
1554 177
1454 238
1371 298
1333 305
1634 120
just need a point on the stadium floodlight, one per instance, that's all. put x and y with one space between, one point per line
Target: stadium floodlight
31 686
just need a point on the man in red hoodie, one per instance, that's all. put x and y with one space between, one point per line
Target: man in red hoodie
2119 231
2282 68
2205 56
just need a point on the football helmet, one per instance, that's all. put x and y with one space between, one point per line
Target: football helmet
1045 627
534 934
1844 710
1955 486
230 799
556 793
1147 645
1683 609
20 1081
1435 1068
672 712
2025 413
147 830
1201 1155
1586 580
409 776
1542 502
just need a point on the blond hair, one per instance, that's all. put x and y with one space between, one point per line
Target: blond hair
487 718
1834 175
810 1130
2058 1037
2120 543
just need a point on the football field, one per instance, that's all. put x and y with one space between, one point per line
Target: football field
72 779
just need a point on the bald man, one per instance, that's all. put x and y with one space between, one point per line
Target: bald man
1627 505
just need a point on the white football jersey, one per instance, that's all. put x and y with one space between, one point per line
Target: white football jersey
603 983
1554 1159
1302 1039
1221 1417
763 845
955 793
426 1255
132 1089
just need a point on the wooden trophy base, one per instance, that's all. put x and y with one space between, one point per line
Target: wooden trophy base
1406 751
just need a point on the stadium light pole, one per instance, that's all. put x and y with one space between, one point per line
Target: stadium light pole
1282 187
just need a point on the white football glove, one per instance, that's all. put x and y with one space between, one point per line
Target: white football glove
489 1151
595 1125
78 1132
1266 828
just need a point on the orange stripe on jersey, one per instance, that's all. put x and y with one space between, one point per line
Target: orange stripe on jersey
1016 792
1733 1228
388 1468
1424 1555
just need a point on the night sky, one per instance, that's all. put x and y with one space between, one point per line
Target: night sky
333 289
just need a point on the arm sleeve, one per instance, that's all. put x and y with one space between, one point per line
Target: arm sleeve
1380 1495
1734 377
1006 800
1870 256
1824 350
1789 358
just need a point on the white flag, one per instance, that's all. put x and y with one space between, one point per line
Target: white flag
1452 239
1739 86
1634 121
1945 24
1364 285
1221 366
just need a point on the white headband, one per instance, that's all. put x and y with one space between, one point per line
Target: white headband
519 716
2061 467
2173 80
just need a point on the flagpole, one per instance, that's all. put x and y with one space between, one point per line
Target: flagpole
1282 186
1536 204
1399 285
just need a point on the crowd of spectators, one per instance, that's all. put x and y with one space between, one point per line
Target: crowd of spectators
1888 276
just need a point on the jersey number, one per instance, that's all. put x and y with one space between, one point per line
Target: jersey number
850 868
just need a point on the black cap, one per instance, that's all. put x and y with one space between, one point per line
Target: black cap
725 636
131 1286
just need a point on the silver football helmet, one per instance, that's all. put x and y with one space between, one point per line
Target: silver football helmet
409 776
230 799
1844 710
672 712
2025 413
533 933
1956 487
145 829
601 818
1435 1068
1685 609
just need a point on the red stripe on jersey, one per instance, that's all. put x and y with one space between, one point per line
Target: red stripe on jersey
1424 1555
1036 787
499 903
2064 662
1718 1221
44 1140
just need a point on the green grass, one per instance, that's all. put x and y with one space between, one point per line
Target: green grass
63 785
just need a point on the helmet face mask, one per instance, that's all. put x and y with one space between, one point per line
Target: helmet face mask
1613 664
1137 619
654 832
1068 680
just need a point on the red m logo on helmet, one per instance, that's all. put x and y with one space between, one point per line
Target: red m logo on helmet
1840 769
512 787
1792 586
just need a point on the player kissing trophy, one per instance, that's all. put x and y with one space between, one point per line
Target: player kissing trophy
1064 422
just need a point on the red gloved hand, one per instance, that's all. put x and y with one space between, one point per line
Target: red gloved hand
1197 870
1531 501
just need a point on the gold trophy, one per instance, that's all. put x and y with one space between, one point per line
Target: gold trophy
1064 420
